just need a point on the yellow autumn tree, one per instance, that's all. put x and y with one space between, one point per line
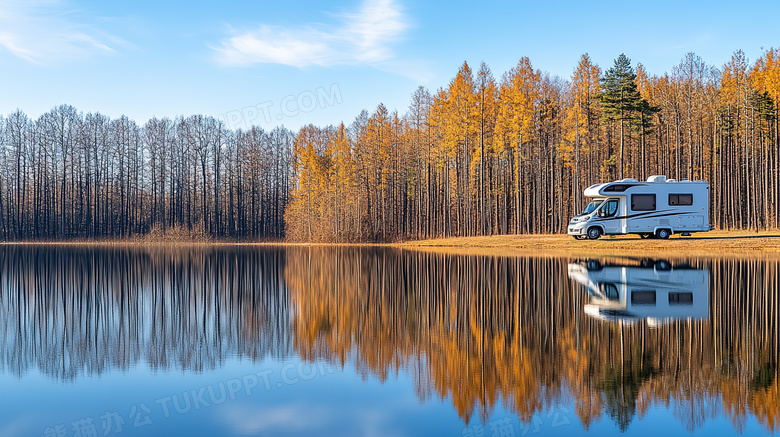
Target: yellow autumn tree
581 130
518 97
483 156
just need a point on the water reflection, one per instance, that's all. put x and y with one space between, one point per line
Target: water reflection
656 291
69 311
484 331
481 332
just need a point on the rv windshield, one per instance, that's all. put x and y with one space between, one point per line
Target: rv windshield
592 206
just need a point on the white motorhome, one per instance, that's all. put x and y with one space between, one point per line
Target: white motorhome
658 207
655 291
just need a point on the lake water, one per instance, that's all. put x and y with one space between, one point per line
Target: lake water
244 341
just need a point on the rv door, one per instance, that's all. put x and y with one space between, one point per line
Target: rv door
609 212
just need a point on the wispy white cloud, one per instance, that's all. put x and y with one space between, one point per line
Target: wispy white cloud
44 31
250 420
312 418
361 37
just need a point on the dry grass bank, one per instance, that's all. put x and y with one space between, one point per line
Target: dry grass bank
714 243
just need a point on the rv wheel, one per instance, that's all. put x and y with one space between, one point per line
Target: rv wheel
594 233
646 262
663 265
663 234
593 265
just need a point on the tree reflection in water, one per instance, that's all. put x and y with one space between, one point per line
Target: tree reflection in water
483 330
70 311
479 331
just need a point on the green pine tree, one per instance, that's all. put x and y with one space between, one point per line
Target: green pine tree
621 101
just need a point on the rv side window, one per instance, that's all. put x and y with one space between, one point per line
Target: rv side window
616 188
643 202
680 199
643 297
681 298
610 291
609 209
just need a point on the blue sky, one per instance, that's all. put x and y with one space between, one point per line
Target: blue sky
298 62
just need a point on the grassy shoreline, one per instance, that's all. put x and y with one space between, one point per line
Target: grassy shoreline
714 243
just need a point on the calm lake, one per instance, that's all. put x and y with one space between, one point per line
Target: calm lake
208 341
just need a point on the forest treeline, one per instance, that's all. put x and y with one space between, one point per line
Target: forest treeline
68 175
486 156
480 156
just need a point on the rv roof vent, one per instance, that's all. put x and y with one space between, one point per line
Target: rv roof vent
656 178
671 180
628 180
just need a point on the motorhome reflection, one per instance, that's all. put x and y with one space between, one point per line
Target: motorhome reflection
654 290
656 208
